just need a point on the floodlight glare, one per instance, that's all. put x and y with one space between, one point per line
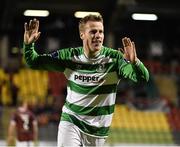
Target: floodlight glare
148 17
81 14
37 13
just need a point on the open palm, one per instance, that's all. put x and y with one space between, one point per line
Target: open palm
129 50
31 31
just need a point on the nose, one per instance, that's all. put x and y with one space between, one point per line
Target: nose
97 35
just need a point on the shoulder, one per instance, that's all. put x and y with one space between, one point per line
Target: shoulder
66 53
15 115
114 53
31 114
76 50
72 51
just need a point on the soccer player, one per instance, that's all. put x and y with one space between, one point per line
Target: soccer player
93 71
23 128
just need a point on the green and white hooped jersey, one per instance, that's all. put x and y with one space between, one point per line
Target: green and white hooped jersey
91 87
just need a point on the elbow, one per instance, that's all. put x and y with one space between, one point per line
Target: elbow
30 59
31 64
143 79
146 78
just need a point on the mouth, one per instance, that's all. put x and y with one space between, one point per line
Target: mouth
97 42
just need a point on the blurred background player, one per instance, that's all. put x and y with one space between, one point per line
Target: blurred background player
23 128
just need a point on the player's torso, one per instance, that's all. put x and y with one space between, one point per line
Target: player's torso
24 125
100 70
91 82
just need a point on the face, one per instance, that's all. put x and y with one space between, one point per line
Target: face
92 37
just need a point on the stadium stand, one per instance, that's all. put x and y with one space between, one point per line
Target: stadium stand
135 126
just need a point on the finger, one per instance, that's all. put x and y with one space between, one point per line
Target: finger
37 36
126 42
33 25
30 25
37 25
134 49
25 26
35 22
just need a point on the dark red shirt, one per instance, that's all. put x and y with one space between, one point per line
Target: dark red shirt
24 124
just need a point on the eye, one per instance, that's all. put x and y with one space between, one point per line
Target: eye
93 31
101 31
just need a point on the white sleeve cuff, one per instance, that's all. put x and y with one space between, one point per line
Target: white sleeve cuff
137 62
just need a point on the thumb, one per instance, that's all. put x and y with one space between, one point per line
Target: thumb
37 36
121 50
125 55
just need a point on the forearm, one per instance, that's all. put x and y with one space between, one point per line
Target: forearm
29 54
141 71
35 130
11 135
136 72
35 133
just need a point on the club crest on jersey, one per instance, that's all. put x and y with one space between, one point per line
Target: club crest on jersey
101 67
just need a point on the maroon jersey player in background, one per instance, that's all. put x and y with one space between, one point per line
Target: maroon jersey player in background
23 127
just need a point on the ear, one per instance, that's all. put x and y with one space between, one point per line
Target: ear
82 35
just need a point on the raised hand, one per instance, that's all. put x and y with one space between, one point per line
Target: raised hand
129 50
31 31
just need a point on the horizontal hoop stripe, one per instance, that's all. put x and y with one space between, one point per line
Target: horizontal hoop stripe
96 131
90 111
89 68
97 121
91 79
105 89
91 100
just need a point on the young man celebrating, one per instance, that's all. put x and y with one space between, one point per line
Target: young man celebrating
93 71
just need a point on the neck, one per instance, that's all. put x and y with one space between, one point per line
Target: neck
90 54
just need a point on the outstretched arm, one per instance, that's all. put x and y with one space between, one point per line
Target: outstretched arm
33 59
31 31
132 68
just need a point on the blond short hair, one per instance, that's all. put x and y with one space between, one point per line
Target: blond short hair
87 18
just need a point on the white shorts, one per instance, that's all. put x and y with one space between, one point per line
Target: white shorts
24 143
70 135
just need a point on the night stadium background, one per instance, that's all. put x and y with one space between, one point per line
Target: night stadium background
144 115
